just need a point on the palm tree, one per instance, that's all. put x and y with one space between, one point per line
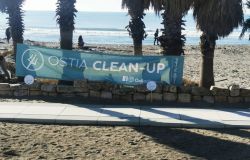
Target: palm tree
246 24
172 40
136 25
215 18
66 14
15 20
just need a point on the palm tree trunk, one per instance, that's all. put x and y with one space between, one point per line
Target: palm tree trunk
66 39
66 43
172 40
207 50
137 46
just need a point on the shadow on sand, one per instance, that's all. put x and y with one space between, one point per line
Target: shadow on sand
196 143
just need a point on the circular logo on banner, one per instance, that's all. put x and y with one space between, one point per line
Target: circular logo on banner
151 85
32 60
29 79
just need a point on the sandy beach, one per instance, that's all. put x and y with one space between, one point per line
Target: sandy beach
231 62
25 141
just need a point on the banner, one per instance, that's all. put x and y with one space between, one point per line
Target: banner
94 66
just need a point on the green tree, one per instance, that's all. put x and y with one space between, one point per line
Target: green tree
215 18
172 41
15 19
66 13
136 25
246 24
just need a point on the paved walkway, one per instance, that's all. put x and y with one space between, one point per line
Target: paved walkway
56 113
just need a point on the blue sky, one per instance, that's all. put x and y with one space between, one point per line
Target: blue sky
82 5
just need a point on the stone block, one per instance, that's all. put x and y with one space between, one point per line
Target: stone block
106 95
245 92
125 90
234 90
184 98
48 94
35 86
221 99
170 97
19 87
68 95
94 94
70 89
48 88
35 93
126 98
247 99
116 97
6 93
200 91
156 97
65 89
24 87
14 86
117 92
219 91
81 84
21 93
107 86
52 94
235 100
173 89
209 99
158 88
85 95
166 88
95 86
4 86
184 89
81 90
139 97
141 88
235 93
196 98
233 87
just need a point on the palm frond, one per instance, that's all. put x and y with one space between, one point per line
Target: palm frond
246 27
218 17
65 14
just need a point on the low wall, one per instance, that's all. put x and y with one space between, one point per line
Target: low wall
105 91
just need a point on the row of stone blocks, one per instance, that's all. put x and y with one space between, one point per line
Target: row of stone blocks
163 93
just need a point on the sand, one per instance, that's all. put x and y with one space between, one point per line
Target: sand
25 141
231 62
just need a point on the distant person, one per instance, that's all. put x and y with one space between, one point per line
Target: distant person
8 34
80 42
156 36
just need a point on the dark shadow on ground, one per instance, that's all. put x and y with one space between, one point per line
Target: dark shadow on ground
198 145
235 132
194 144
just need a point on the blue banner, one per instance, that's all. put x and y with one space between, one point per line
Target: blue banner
94 66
